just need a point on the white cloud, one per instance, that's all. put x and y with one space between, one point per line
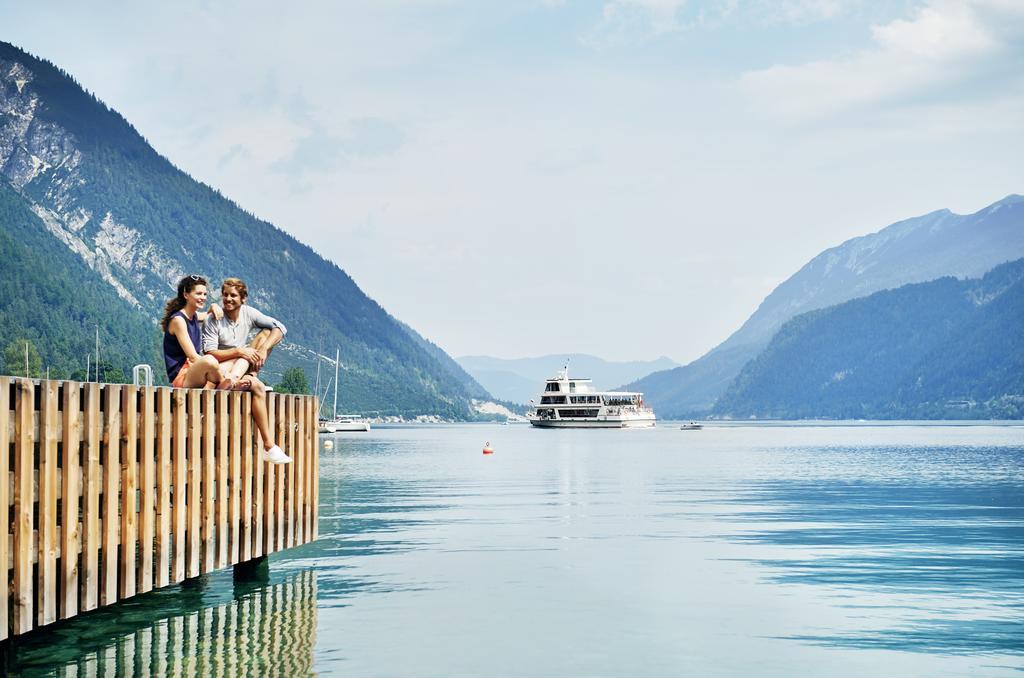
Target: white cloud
624 21
936 33
942 44
627 21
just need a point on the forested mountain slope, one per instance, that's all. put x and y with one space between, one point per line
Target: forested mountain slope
915 250
134 224
943 349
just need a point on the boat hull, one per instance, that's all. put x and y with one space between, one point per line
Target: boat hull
353 426
593 423
344 426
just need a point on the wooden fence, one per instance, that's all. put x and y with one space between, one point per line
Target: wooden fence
156 484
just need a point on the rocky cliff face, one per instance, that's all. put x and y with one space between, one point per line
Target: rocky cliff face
42 161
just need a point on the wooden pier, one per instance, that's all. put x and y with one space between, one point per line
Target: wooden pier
144 487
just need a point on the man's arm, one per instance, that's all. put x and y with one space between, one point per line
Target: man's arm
215 312
277 332
211 345
265 322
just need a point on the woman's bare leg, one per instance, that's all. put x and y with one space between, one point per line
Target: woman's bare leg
202 372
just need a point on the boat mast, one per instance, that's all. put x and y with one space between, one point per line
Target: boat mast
317 389
337 359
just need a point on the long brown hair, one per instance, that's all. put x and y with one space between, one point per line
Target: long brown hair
185 285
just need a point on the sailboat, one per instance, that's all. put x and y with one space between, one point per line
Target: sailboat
342 422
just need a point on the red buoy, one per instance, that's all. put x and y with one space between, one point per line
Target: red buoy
487 448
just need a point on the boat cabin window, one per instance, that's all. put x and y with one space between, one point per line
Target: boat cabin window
552 400
552 386
585 400
588 413
620 400
572 387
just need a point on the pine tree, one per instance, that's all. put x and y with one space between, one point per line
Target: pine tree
293 380
15 361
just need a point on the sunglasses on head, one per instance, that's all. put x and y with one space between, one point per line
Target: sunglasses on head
196 277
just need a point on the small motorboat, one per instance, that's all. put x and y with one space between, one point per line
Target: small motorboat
692 426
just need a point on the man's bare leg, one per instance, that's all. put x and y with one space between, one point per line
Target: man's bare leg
259 412
259 409
235 369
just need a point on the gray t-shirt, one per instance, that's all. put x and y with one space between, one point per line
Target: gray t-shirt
221 334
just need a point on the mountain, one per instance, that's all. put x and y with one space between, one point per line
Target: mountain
915 250
42 299
110 225
520 379
943 349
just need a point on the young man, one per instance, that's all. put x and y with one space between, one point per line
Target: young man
227 341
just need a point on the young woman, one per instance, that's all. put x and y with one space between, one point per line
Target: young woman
186 368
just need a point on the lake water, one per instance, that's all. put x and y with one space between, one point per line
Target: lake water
736 550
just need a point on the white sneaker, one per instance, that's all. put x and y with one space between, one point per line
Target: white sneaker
275 455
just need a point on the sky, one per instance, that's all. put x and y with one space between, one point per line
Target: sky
626 178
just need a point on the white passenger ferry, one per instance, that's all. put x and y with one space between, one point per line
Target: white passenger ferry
572 403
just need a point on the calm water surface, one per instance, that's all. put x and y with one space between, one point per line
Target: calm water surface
782 550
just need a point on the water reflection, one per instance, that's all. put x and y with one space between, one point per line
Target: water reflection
365 516
261 630
934 561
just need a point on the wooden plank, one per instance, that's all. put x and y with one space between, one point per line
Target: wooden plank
292 469
248 479
223 498
195 470
269 498
49 432
235 473
129 486
164 453
5 518
24 447
300 458
92 481
209 480
180 468
111 479
281 435
71 472
312 444
314 484
259 468
303 470
147 487
311 434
